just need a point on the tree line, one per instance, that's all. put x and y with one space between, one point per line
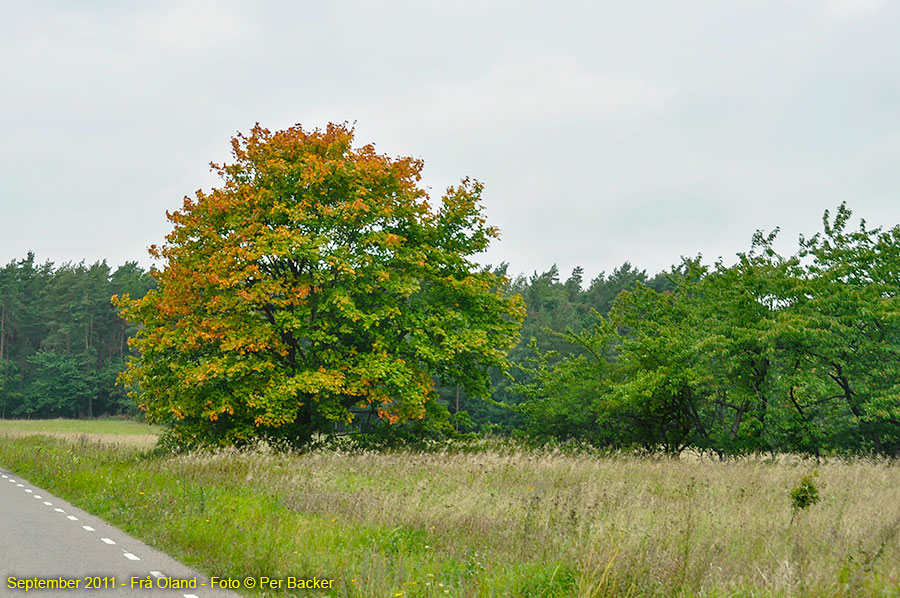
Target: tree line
796 353
62 344
319 290
553 306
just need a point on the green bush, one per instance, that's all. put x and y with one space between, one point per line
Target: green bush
805 494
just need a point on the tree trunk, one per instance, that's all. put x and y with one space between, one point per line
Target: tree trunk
844 383
736 426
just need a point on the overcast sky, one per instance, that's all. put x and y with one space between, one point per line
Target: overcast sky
603 131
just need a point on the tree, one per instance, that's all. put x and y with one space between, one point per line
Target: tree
846 322
61 341
792 354
317 280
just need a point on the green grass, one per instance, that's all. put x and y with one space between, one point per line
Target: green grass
107 431
496 523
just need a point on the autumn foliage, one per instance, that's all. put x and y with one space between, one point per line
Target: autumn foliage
315 282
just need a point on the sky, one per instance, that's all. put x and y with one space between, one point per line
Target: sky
603 132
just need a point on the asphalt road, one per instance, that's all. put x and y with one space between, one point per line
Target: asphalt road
45 540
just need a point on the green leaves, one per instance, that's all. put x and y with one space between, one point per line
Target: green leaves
61 342
316 280
769 354
804 495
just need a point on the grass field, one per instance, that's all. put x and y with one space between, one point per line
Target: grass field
503 522
114 431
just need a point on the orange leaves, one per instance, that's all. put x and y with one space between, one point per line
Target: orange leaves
315 278
390 417
359 205
392 240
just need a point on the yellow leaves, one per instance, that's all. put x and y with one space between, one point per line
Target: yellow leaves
340 265
322 380
121 301
214 414
277 283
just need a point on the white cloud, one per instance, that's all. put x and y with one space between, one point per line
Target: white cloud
850 9
602 131
524 93
191 25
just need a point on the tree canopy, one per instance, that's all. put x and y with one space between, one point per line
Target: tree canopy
315 282
61 342
772 353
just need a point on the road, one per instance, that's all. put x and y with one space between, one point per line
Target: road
45 540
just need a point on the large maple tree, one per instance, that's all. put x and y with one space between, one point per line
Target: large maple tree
316 280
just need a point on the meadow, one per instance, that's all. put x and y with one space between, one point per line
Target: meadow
109 430
493 520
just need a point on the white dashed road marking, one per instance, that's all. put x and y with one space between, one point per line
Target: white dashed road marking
128 555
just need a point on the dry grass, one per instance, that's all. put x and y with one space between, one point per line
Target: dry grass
616 525
105 431
143 441
503 522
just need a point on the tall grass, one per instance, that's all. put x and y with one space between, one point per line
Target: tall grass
109 430
495 523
